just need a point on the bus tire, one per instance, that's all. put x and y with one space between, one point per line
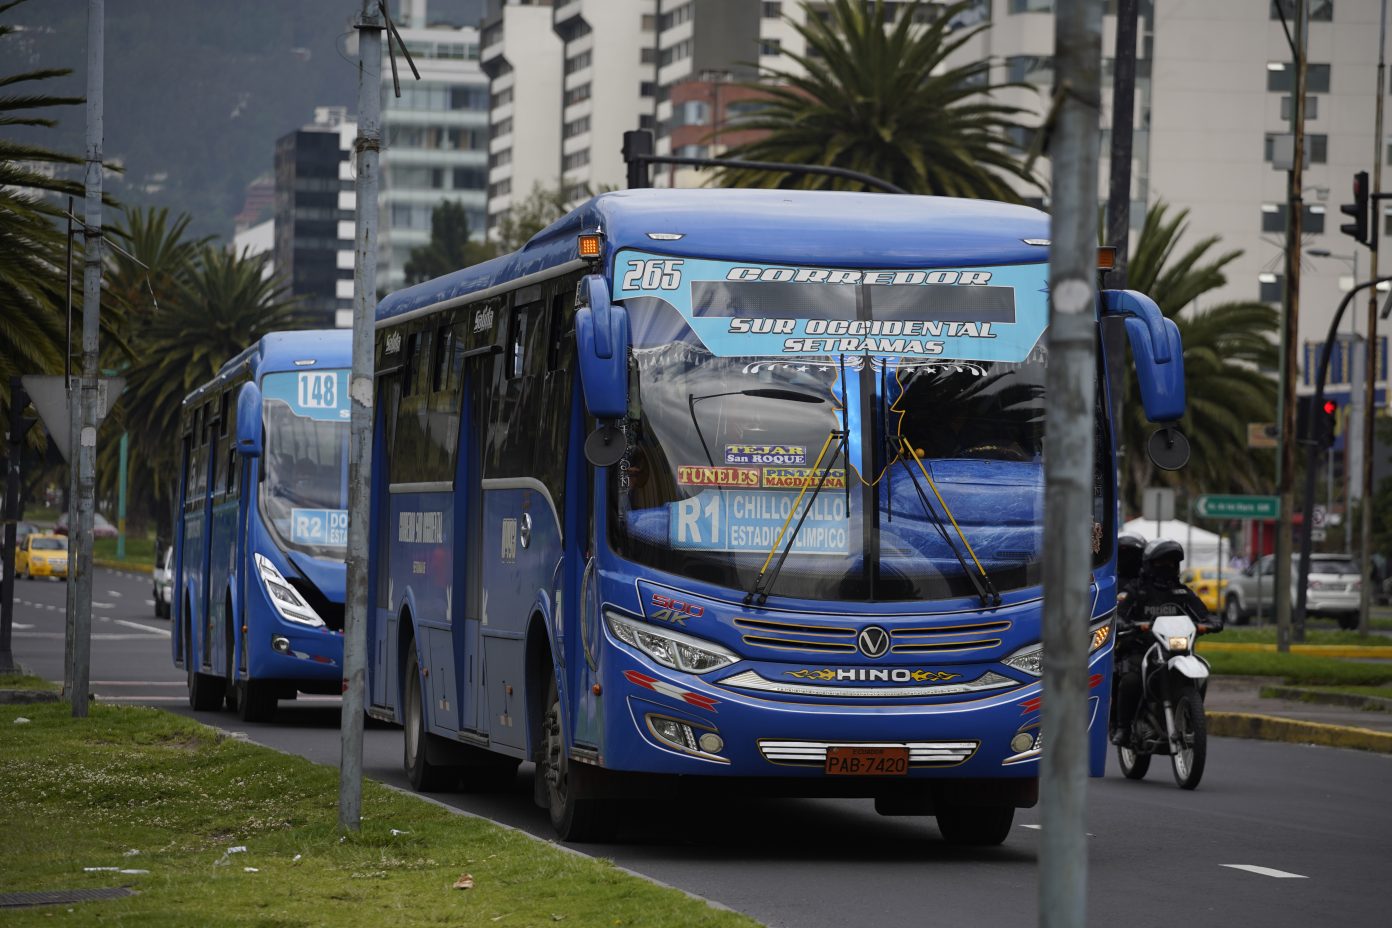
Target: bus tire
424 775
256 700
205 691
577 814
975 826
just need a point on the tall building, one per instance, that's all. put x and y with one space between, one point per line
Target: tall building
436 136
314 203
523 58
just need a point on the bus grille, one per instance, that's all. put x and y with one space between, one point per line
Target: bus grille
947 638
921 753
788 636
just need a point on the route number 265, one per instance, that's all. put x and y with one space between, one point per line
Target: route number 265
655 274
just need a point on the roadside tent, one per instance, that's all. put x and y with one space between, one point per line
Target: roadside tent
1200 545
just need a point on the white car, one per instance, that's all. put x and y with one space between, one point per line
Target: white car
163 579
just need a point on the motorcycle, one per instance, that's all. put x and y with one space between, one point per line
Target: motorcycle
1170 718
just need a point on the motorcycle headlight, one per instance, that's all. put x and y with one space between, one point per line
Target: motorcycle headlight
1178 643
286 599
669 648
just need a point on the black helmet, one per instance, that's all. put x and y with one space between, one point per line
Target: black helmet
1162 559
1130 547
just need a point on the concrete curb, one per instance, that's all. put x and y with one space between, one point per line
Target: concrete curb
1351 700
1293 731
1308 650
26 697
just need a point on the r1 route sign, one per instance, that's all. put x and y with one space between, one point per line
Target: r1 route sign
1237 507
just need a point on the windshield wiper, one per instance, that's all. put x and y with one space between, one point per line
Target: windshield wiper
767 393
985 589
765 579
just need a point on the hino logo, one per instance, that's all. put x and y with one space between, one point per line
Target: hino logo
873 641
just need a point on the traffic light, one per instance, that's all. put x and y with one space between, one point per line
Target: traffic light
1358 209
1325 423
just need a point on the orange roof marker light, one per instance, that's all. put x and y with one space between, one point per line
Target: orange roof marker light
1106 257
591 244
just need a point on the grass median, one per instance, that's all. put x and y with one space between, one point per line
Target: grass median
214 831
1299 669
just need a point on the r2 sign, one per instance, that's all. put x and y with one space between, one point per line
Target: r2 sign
318 390
656 274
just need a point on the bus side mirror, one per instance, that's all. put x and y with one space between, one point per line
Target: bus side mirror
249 421
601 336
1156 349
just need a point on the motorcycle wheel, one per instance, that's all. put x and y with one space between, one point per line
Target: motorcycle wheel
1134 765
1192 727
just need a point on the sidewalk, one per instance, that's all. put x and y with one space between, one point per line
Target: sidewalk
1235 707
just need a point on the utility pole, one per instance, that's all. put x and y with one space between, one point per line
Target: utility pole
370 25
1370 365
86 451
74 426
1290 337
1119 189
1070 391
14 439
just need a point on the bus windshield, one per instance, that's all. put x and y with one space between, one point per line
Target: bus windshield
886 477
304 492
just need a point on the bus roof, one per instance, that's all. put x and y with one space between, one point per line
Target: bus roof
278 351
803 227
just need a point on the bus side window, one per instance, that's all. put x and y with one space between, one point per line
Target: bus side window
411 447
562 323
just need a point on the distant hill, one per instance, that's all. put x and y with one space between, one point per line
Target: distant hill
197 92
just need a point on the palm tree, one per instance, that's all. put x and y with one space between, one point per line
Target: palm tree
1228 356
224 304
883 100
32 327
155 261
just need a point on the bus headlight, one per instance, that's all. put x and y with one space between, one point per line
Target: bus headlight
669 648
286 599
1030 659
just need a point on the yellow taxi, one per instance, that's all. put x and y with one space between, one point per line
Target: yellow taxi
1204 582
42 555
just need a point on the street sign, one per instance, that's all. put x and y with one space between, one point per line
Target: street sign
50 397
1317 534
1157 504
1319 518
1237 507
1261 434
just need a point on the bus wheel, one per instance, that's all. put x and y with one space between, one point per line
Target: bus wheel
256 700
576 813
975 826
205 691
424 776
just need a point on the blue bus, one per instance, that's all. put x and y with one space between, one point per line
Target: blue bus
734 485
262 527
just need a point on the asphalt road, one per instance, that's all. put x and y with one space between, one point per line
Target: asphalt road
1311 826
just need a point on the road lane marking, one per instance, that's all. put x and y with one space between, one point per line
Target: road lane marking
98 605
95 637
104 697
1041 828
1267 871
162 632
139 683
22 625
115 593
1035 827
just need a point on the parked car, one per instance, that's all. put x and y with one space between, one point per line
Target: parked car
42 555
163 578
1205 584
1333 589
100 527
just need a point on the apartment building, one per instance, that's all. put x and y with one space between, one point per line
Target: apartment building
436 138
314 203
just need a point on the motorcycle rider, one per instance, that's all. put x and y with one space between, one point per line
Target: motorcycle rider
1156 592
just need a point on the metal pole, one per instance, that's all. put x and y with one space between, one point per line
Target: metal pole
121 499
1353 437
1370 366
367 146
1119 190
70 388
86 453
1290 337
18 400
1071 392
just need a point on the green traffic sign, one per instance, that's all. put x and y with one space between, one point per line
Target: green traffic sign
1237 507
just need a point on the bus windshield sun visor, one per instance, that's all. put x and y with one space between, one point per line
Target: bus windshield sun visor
925 302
